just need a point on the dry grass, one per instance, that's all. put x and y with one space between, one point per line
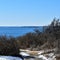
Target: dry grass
33 59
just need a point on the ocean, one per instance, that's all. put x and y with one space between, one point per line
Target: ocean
18 31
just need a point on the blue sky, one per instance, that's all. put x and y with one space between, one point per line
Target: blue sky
28 12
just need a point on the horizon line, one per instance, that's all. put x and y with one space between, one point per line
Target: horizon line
22 25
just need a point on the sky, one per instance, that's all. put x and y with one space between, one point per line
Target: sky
28 12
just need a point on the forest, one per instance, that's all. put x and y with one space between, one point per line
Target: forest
37 40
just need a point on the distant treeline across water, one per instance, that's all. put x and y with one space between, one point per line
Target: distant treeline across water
18 31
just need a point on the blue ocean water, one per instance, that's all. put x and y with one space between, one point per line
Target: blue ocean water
17 31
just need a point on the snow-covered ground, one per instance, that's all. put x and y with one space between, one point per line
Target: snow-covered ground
24 54
9 58
41 57
49 56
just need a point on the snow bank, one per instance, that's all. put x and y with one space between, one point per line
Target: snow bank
9 58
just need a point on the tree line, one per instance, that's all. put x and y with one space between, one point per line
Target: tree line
48 39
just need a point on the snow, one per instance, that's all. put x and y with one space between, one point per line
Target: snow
24 54
40 52
42 57
51 56
9 58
